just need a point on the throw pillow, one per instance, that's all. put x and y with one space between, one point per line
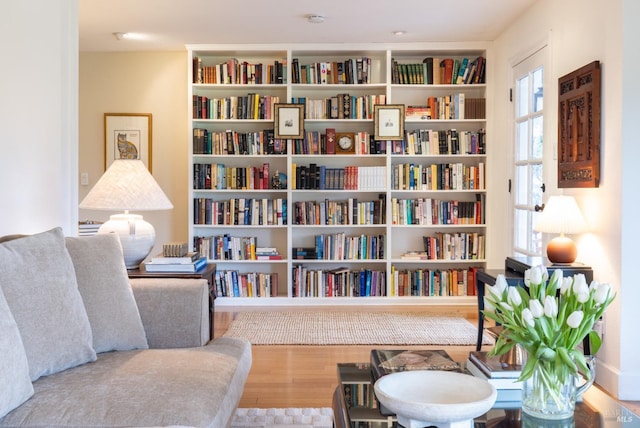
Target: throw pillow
14 369
39 283
105 288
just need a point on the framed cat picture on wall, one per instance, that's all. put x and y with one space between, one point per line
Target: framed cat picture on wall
127 136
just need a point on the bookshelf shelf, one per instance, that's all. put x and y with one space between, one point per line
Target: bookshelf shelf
275 73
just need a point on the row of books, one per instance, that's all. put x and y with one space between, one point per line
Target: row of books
321 177
231 283
234 71
428 211
346 212
340 106
436 71
348 71
445 142
219 176
450 107
227 247
432 282
251 106
230 142
318 143
240 211
442 176
340 246
340 282
455 246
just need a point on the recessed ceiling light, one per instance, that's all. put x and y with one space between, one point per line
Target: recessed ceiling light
399 33
315 19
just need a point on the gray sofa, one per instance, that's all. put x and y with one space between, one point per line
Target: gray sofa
82 346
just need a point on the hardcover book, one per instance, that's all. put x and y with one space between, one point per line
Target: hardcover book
384 361
190 257
492 367
179 267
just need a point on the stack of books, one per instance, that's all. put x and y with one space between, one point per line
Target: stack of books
88 227
503 376
267 253
189 263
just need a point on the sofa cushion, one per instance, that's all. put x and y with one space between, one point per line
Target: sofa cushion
14 369
39 283
105 289
174 311
196 387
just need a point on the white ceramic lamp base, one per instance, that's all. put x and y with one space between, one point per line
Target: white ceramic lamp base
136 236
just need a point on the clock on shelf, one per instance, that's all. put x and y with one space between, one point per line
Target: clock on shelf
346 144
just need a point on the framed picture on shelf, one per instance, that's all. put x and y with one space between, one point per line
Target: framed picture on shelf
388 121
289 121
127 136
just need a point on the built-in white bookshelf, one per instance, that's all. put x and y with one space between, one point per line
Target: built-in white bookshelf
412 191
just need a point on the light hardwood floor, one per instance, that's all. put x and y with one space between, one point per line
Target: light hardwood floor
306 376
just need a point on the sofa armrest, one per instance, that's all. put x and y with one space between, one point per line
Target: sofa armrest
174 311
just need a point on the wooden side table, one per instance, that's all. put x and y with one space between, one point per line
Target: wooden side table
207 273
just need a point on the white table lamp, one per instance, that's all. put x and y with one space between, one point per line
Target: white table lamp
561 215
128 186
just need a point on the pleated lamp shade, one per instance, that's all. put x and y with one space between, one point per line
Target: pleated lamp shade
128 186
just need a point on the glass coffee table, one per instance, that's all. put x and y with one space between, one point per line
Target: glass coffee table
355 406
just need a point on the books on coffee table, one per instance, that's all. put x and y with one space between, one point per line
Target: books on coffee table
503 376
385 361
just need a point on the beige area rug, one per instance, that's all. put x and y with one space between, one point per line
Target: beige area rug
283 418
352 328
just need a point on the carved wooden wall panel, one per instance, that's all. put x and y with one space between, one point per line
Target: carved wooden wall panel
579 127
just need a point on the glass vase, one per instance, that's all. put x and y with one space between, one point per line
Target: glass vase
551 392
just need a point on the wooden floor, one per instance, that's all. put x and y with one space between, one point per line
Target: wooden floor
306 376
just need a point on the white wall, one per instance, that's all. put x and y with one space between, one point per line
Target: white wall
630 227
139 82
579 32
38 115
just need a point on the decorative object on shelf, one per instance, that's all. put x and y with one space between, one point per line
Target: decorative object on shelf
579 127
276 183
426 398
289 121
561 214
127 136
345 143
388 122
549 319
128 185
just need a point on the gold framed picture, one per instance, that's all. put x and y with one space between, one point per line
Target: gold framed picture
288 120
388 121
127 136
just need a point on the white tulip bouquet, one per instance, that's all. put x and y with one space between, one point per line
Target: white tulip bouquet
548 319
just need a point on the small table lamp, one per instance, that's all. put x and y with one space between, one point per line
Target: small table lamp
561 215
128 185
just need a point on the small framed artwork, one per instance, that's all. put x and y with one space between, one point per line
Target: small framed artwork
388 121
127 136
289 121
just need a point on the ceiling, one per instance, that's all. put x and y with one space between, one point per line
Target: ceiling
170 24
